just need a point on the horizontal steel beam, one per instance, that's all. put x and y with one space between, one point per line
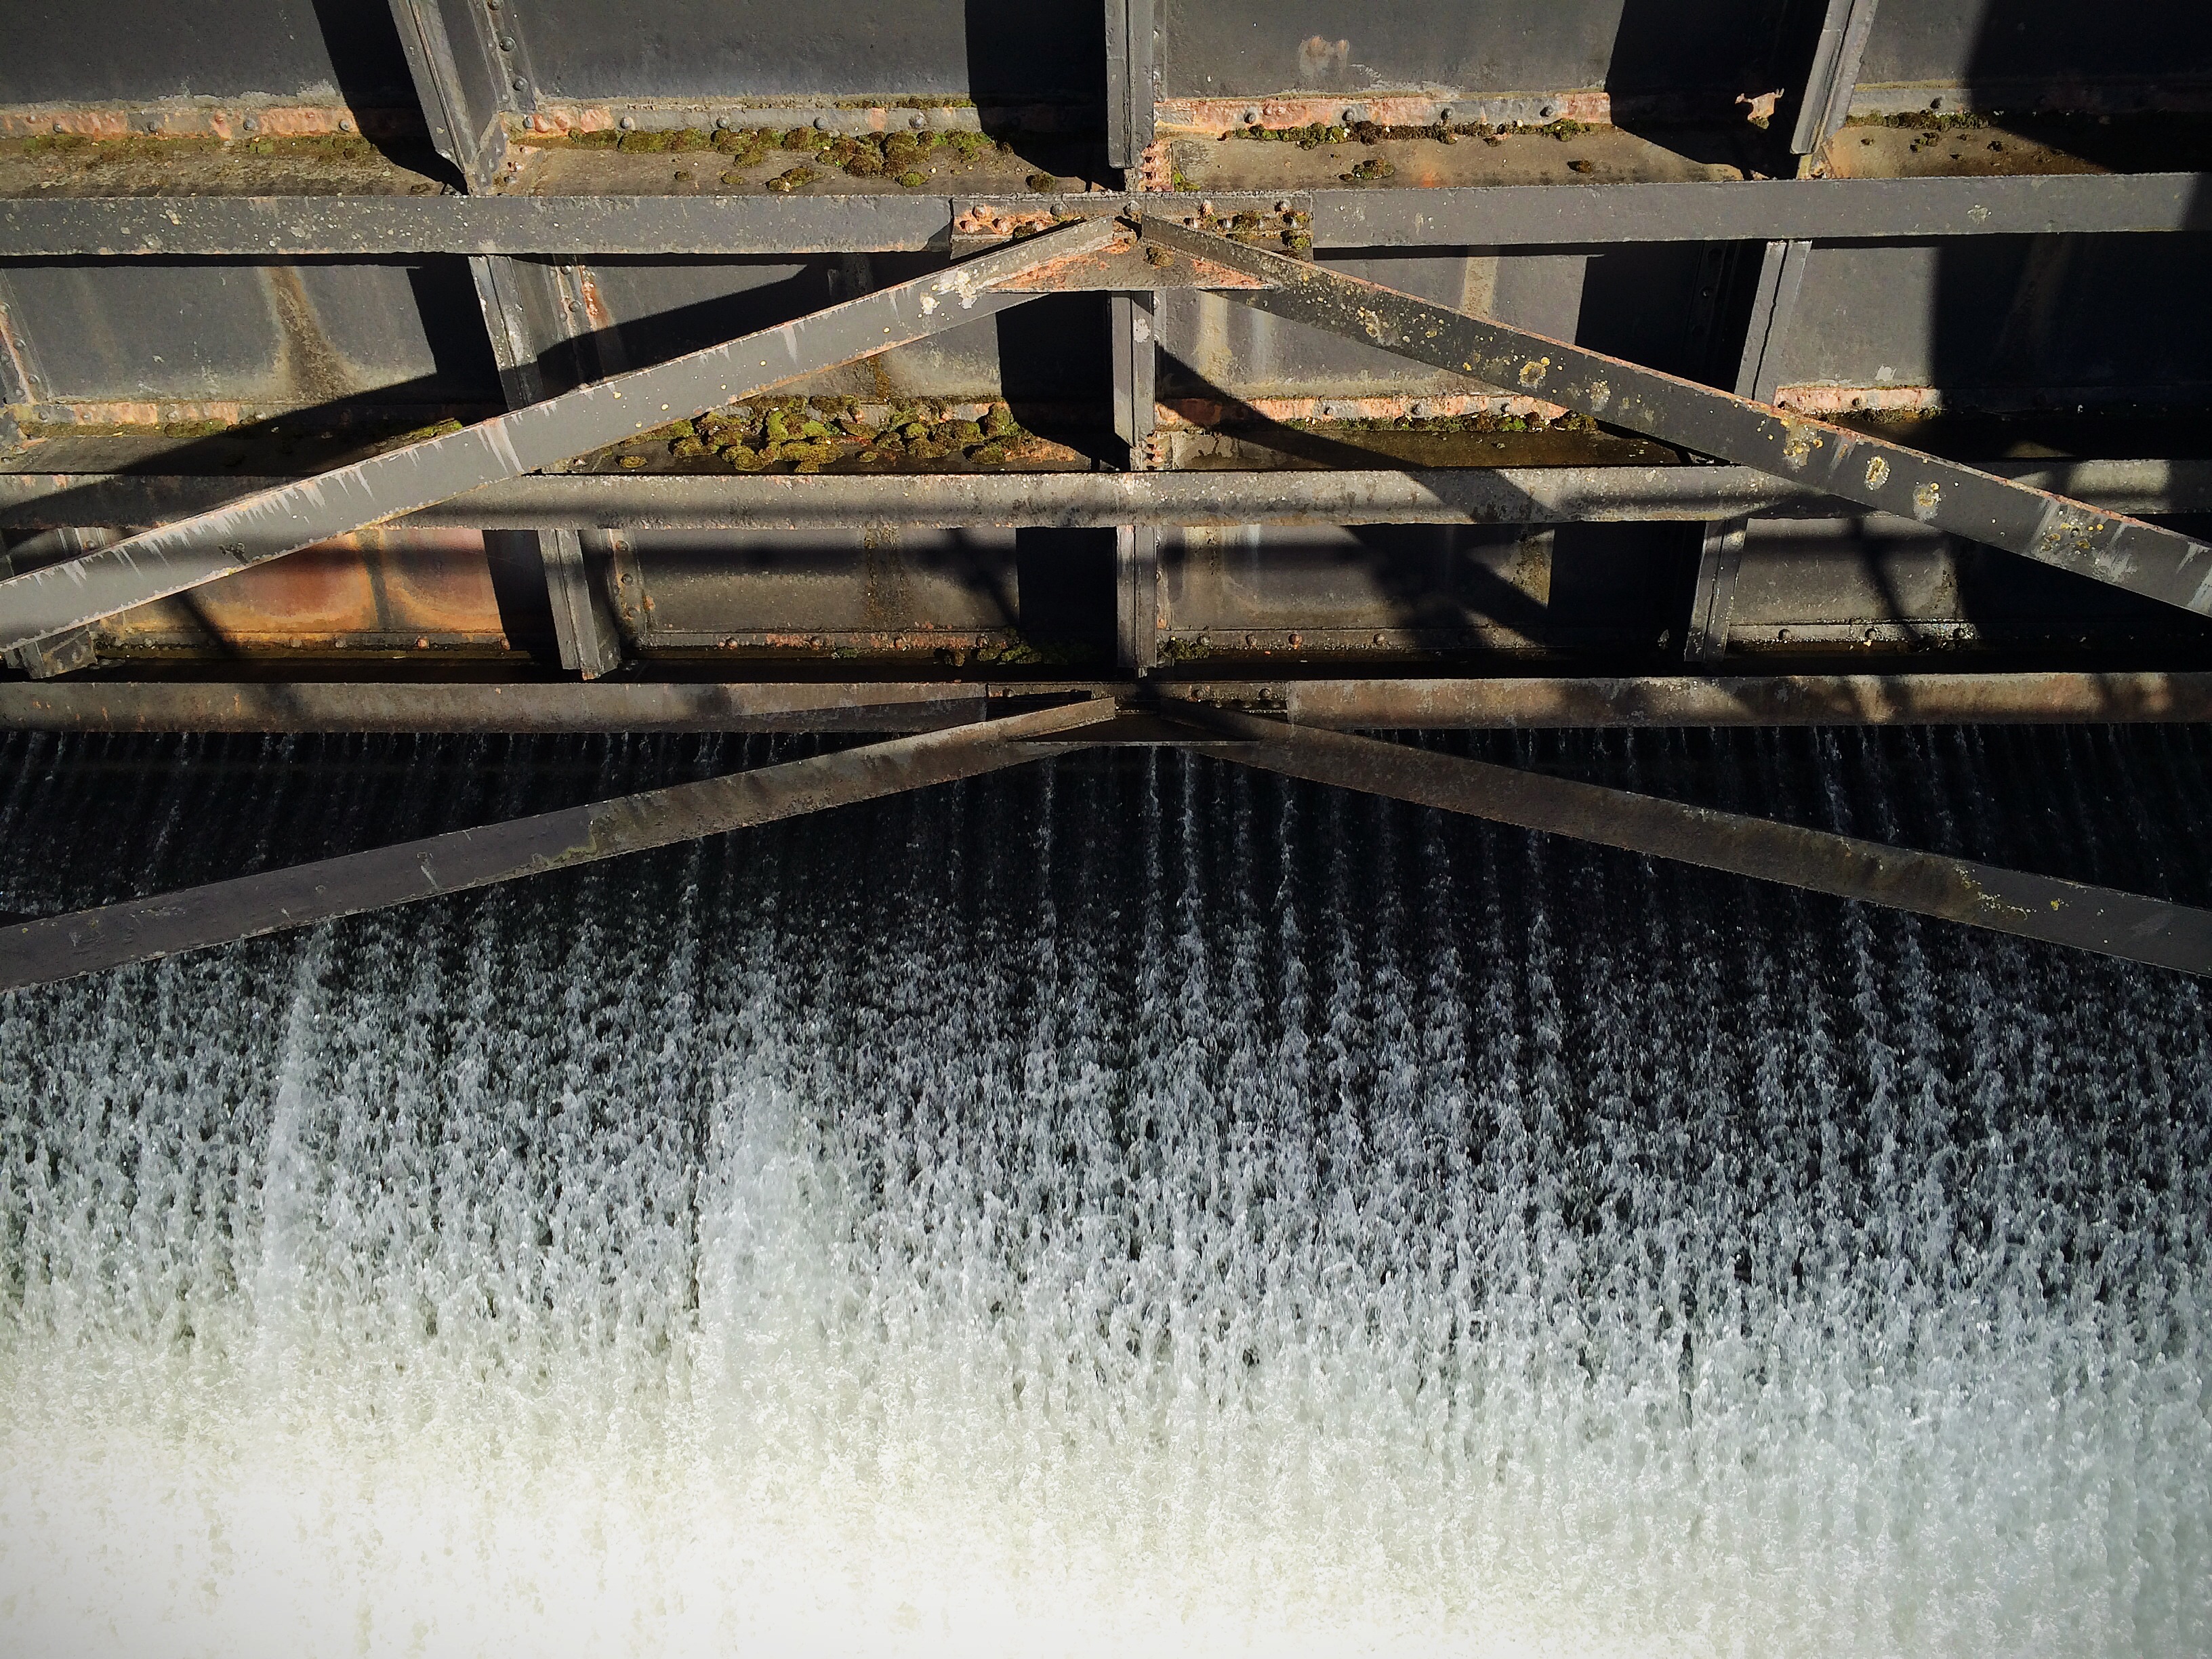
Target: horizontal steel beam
1473 215
2129 925
1546 494
174 557
2143 558
142 930
1523 702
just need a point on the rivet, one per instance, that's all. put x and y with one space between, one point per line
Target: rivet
628 124
345 123
253 125
821 124
59 127
721 124
1443 115
917 121
1546 111
1936 103
520 84
1350 115
1251 118
506 43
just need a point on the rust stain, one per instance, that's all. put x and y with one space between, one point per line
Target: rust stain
201 121
397 588
1211 117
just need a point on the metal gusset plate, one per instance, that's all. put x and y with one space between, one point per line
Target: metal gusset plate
58 947
2125 925
274 522
2146 559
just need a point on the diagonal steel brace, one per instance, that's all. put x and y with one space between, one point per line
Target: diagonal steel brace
2146 559
274 522
2132 926
272 901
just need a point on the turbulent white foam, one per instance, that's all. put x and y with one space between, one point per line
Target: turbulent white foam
1314 1237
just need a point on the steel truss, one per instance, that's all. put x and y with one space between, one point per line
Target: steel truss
46 604
2129 925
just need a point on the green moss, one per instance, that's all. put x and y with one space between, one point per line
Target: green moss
744 457
988 454
784 183
912 180
1044 181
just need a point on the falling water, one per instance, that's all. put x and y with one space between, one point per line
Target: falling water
1130 1204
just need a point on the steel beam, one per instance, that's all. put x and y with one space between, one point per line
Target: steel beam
1871 472
142 930
464 81
1552 494
532 311
1780 279
1827 100
1131 93
1137 599
178 557
2129 925
1525 702
1484 216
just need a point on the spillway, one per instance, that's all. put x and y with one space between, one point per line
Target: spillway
1129 1203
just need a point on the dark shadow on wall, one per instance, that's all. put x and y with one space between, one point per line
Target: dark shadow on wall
1036 71
2074 346
373 82
1681 75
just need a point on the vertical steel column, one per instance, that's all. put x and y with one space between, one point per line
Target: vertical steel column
1131 83
1137 593
19 375
532 311
1774 301
1132 322
470 73
1834 77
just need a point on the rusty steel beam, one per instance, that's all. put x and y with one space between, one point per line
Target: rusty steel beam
2127 925
1535 495
248 906
178 226
178 557
1870 472
1530 702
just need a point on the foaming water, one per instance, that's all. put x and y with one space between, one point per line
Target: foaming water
1125 1204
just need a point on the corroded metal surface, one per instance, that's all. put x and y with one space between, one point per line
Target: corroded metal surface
1367 703
1537 495
58 947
